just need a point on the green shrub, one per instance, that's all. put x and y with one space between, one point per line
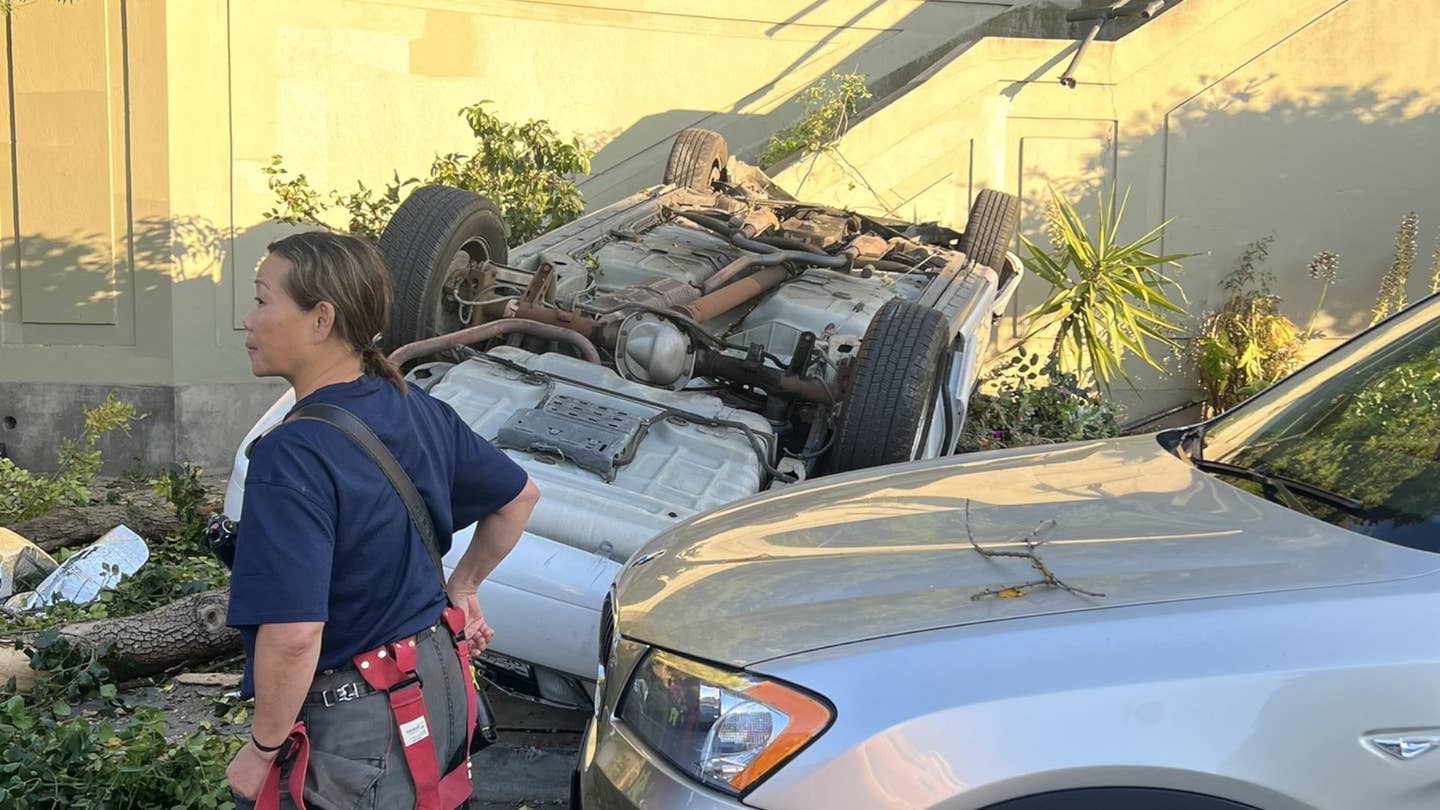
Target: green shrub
830 104
1244 348
49 760
24 494
180 485
527 170
1030 400
175 569
1247 344
108 755
112 755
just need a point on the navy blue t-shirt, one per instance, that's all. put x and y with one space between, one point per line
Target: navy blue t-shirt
325 538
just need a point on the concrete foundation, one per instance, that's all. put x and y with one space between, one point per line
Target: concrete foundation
202 424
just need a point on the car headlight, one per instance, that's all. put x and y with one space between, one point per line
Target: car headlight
725 728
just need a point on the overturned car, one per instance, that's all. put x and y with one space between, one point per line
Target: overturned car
682 349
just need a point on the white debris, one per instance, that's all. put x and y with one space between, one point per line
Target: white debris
98 566
23 565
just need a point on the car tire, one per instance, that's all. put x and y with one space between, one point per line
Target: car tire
994 222
892 395
697 159
438 238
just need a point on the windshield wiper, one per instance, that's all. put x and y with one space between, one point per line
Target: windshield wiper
1192 442
1285 487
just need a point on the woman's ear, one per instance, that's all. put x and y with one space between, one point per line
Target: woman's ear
323 321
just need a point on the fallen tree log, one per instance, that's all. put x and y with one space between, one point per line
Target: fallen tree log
191 629
76 525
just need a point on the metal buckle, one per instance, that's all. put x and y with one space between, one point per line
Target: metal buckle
413 680
342 693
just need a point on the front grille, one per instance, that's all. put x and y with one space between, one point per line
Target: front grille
607 628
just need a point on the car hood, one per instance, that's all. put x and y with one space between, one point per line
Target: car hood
888 551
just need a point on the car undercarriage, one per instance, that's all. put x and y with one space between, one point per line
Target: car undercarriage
675 352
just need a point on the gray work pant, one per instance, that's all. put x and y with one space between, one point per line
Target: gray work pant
357 761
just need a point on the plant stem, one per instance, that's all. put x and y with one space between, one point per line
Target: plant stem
1310 327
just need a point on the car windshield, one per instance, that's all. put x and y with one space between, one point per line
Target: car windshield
1353 440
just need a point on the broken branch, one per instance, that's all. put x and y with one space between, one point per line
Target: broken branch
181 632
1033 542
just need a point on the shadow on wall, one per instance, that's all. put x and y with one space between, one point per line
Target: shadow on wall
194 249
1332 168
632 158
188 256
1354 154
760 92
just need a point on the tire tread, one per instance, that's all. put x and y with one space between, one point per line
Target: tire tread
691 156
411 246
994 221
891 388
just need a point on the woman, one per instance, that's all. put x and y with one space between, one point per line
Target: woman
328 564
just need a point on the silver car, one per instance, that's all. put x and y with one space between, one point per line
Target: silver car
1241 614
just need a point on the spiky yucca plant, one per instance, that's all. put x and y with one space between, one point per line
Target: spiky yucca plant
1107 297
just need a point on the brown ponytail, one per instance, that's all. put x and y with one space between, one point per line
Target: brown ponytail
375 363
350 274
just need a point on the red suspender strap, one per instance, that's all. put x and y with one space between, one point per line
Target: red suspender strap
297 747
391 668
457 786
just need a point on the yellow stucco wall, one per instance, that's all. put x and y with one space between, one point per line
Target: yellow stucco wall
78 296
132 197
141 129
1313 120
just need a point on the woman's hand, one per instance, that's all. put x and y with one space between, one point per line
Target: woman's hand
477 632
246 773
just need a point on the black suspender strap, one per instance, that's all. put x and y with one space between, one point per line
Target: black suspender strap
360 433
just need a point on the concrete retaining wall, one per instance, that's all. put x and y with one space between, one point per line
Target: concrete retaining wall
132 202
1312 120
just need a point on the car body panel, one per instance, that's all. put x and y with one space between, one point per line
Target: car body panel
887 551
544 598
1232 697
961 718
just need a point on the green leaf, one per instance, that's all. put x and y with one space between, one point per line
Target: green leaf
1107 299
